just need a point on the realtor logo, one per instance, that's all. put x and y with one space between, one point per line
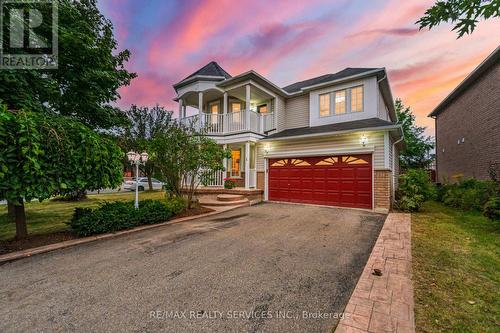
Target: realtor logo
28 34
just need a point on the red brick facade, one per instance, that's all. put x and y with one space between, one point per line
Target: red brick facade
468 130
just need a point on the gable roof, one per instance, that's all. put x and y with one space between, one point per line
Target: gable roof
210 70
487 63
347 72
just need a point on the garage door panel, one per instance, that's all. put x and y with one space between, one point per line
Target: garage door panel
344 181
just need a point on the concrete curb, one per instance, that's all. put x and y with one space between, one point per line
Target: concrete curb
73 242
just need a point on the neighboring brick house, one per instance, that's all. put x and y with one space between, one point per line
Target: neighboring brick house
330 140
468 125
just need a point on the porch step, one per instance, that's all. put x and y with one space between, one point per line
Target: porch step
230 197
216 202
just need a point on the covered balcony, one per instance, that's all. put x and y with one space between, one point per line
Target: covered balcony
244 108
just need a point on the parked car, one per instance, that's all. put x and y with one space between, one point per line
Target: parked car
143 184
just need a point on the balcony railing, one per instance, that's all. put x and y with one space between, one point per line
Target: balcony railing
233 122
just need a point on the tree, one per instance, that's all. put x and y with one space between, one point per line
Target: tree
465 14
42 155
144 124
416 154
90 70
186 158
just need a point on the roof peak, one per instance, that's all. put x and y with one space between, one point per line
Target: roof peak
210 69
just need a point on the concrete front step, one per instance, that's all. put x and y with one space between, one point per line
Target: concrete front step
211 202
230 197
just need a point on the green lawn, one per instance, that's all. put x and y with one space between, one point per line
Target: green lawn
50 215
456 270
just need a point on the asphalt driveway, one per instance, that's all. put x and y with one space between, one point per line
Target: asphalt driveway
265 268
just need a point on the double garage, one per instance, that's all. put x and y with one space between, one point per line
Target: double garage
339 180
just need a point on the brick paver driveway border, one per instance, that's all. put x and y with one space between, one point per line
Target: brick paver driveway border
384 303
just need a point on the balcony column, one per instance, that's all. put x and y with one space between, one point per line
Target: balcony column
247 165
181 114
247 109
201 119
224 110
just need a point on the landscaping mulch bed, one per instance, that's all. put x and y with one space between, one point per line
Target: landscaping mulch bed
8 246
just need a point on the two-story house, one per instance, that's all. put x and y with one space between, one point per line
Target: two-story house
330 140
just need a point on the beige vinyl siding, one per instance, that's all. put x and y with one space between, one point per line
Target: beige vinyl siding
281 115
346 141
297 112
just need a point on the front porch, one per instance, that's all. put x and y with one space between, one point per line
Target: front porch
241 167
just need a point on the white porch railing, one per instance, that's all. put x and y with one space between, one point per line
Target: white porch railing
213 178
209 178
233 122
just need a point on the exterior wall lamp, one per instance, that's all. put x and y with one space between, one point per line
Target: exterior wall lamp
364 140
137 159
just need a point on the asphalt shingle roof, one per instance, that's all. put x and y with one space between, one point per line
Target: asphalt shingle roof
345 126
210 69
326 78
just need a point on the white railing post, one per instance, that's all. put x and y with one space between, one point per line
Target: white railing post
261 123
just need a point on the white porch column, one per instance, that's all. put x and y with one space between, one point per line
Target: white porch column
224 110
247 103
224 106
201 119
184 112
181 115
247 164
225 163
200 102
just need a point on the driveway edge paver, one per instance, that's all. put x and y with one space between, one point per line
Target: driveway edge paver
4 258
384 303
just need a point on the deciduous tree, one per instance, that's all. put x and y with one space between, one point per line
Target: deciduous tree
42 155
465 14
417 152
144 124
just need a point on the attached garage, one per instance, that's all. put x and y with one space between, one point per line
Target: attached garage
341 180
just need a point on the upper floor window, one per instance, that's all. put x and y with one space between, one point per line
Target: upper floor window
357 99
262 108
214 108
324 105
340 97
341 102
235 106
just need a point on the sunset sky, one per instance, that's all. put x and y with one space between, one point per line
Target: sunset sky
288 41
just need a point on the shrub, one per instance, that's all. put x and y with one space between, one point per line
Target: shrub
469 194
415 187
229 183
491 208
120 215
176 204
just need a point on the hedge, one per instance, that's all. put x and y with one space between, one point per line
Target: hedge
120 215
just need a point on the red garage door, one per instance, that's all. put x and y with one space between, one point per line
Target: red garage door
344 180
